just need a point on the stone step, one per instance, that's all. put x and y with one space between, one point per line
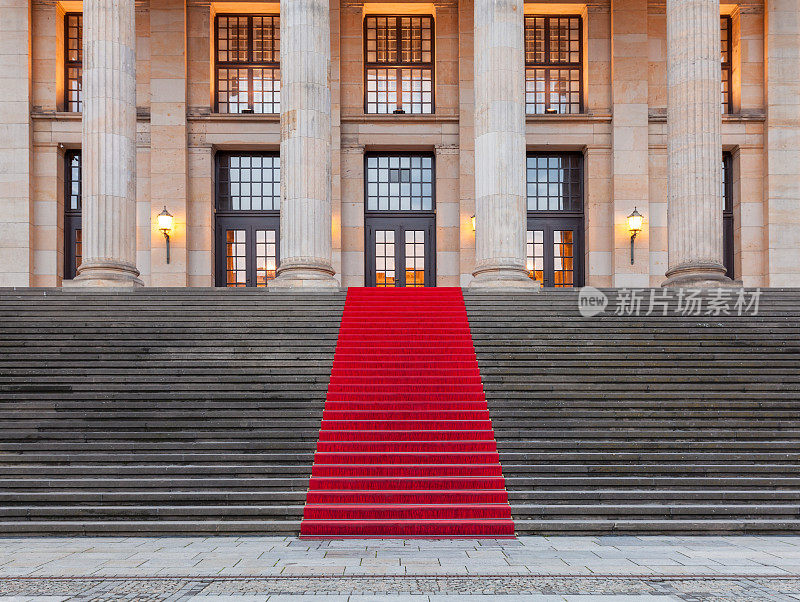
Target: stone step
159 512
141 528
12 483
717 525
622 496
655 511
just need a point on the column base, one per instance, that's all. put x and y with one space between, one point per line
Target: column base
106 274
503 278
697 275
305 277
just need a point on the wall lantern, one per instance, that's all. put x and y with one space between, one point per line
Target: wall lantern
472 219
165 225
635 226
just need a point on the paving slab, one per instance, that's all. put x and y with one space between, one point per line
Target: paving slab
243 569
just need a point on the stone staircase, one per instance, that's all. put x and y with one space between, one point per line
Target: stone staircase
198 411
161 410
651 424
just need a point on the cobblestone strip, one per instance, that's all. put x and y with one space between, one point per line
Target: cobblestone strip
690 589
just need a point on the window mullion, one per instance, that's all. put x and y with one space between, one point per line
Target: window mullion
398 78
399 69
251 62
546 69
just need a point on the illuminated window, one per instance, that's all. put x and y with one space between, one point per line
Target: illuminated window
73 62
726 39
553 59
72 214
398 64
247 59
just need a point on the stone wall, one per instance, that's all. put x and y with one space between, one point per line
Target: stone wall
625 158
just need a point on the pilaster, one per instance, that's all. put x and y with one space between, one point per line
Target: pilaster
168 140
16 216
630 164
782 143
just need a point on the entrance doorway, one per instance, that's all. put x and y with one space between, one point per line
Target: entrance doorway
554 250
400 220
400 251
247 250
247 239
555 236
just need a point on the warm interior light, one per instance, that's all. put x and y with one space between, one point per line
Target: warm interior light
473 222
635 222
165 221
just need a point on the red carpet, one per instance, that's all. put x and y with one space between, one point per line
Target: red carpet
406 447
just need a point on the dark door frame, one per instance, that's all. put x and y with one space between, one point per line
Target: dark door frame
550 221
249 222
728 258
400 222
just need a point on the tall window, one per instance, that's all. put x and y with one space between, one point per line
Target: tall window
726 38
398 64
73 61
553 59
400 222
555 219
72 214
247 218
727 215
248 64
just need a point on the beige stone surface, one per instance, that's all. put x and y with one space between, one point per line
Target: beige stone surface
782 181
15 144
169 166
625 158
629 139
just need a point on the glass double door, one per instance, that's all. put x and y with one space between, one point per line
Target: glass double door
554 249
400 251
247 250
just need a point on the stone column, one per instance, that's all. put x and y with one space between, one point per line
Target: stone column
109 145
306 239
694 144
500 199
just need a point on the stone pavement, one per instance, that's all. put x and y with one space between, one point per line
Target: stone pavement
245 569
